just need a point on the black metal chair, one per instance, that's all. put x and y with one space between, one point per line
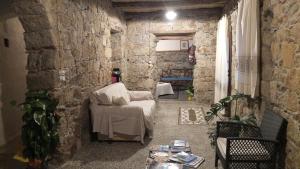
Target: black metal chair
241 146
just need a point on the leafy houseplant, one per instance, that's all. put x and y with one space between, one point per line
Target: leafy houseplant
190 92
40 124
224 103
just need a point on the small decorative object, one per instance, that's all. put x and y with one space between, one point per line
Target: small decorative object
190 93
40 128
116 75
184 45
192 56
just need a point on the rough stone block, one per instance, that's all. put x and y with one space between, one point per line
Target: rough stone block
287 53
42 80
40 39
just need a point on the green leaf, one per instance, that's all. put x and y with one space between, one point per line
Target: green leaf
38 117
13 103
39 124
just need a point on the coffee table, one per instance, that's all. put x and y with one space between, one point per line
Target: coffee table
156 155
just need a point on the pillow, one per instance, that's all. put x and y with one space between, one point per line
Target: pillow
119 101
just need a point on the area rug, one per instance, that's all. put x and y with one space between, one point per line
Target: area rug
191 116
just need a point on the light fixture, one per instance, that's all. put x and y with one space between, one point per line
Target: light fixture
171 15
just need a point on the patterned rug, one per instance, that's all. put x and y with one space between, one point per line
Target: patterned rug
191 116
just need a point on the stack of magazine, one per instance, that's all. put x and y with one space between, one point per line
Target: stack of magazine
187 159
177 155
180 145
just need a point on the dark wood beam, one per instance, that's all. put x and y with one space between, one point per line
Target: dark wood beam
199 13
175 33
174 37
152 6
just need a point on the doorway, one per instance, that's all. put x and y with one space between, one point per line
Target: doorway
175 69
13 73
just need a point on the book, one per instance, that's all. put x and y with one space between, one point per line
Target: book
157 165
188 160
185 157
179 143
164 148
195 163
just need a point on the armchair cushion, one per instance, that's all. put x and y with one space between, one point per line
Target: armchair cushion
119 101
140 95
221 143
104 96
243 149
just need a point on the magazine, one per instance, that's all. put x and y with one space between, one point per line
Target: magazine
156 165
179 143
189 160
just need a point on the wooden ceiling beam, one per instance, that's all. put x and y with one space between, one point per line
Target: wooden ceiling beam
153 6
200 13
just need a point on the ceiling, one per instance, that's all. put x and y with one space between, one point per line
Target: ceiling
150 6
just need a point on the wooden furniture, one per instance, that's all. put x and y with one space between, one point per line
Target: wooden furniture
241 146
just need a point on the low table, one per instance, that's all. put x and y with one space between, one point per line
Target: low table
164 156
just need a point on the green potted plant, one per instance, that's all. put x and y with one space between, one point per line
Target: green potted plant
40 128
190 92
225 102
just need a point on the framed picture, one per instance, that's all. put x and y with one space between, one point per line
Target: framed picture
184 45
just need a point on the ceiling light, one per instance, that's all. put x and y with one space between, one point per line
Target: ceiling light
171 15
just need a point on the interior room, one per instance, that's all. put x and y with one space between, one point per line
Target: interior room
129 84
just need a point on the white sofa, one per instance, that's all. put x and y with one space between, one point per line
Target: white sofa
128 119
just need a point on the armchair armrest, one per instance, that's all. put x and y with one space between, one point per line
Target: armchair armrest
140 95
234 129
250 149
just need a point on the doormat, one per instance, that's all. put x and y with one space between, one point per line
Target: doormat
191 116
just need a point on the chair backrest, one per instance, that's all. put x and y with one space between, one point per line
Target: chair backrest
271 125
104 95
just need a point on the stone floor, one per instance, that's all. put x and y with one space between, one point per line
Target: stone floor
7 153
132 155
179 95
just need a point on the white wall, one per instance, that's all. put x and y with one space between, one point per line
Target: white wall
168 45
13 60
2 138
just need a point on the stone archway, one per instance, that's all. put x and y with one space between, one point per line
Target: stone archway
40 44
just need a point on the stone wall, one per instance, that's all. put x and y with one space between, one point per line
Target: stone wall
83 29
69 53
142 70
280 73
119 59
169 60
281 68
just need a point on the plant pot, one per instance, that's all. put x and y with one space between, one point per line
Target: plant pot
190 98
35 164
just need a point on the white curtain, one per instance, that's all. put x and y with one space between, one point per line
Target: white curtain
247 45
222 60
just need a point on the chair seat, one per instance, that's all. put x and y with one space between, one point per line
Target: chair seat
253 150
